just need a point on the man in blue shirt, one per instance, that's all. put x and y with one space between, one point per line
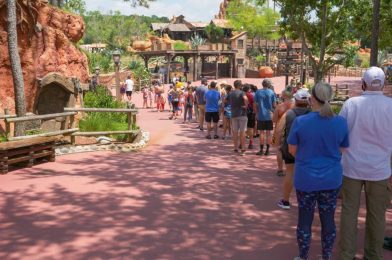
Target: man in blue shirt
212 98
201 102
264 104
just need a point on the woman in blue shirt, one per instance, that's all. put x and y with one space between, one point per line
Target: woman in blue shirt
316 140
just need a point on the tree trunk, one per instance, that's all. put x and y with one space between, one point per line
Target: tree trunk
320 66
375 33
16 67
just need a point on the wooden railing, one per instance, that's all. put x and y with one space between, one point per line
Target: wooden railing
69 129
131 120
10 120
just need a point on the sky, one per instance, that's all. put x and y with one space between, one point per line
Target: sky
193 10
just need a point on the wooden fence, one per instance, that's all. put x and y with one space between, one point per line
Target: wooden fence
69 129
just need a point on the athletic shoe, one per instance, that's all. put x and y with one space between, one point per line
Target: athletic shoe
267 153
235 150
242 153
259 153
216 137
280 173
298 258
250 146
208 137
284 204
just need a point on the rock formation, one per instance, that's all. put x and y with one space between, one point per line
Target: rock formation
47 38
222 9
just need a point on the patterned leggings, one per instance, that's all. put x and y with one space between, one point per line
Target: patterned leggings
326 201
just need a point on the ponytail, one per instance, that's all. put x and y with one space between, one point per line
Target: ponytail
322 93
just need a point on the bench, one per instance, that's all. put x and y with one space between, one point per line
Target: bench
30 151
341 92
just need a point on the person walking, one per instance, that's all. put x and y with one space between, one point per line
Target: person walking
265 102
201 102
239 120
366 165
316 140
277 117
129 87
226 113
250 114
301 107
175 102
212 98
188 107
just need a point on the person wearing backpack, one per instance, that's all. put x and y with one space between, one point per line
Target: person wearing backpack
301 107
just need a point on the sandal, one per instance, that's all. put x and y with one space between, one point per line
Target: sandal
280 174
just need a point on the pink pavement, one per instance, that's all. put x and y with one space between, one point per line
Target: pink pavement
182 197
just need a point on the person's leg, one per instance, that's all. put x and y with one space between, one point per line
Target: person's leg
185 113
243 126
234 122
216 121
268 140
196 112
190 112
261 138
378 197
326 206
208 121
288 182
351 194
202 112
279 161
306 206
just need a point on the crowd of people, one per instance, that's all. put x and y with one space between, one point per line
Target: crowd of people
321 155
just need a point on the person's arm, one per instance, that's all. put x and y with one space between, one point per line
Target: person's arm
246 101
292 150
346 140
293 138
275 115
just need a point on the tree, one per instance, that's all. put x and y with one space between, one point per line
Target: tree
75 6
17 74
323 24
252 16
214 33
375 32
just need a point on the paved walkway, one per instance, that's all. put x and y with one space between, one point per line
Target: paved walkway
181 198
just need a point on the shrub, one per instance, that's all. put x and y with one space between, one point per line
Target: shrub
180 46
95 121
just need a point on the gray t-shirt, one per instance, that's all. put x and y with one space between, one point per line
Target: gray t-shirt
237 103
200 93
291 115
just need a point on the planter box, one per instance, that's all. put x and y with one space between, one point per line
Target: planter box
203 47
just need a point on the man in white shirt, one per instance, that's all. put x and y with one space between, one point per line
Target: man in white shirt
366 163
129 87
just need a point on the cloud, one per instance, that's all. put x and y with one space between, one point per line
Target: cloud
193 10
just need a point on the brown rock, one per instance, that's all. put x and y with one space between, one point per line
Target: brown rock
47 38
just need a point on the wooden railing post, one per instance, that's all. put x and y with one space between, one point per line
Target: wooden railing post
71 123
130 123
7 124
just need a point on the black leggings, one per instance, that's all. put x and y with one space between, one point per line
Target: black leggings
175 106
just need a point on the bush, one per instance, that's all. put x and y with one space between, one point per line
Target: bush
180 46
215 34
102 60
95 121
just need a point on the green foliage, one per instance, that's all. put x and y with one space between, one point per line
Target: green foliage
260 59
336 109
139 72
197 40
180 46
365 58
75 6
34 132
214 33
350 55
103 121
117 30
3 138
135 3
252 16
102 60
362 14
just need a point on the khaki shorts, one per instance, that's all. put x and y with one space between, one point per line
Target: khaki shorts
239 124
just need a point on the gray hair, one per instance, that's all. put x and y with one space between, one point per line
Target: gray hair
267 83
323 93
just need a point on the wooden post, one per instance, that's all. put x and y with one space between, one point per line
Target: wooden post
168 59
72 123
216 67
8 131
4 163
129 126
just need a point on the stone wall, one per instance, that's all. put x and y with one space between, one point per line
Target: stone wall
47 39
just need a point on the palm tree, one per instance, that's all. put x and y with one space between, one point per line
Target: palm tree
375 32
16 67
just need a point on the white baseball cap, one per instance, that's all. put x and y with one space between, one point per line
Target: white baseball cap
302 94
374 78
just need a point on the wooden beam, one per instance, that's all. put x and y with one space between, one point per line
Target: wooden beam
39 117
105 133
110 110
60 132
